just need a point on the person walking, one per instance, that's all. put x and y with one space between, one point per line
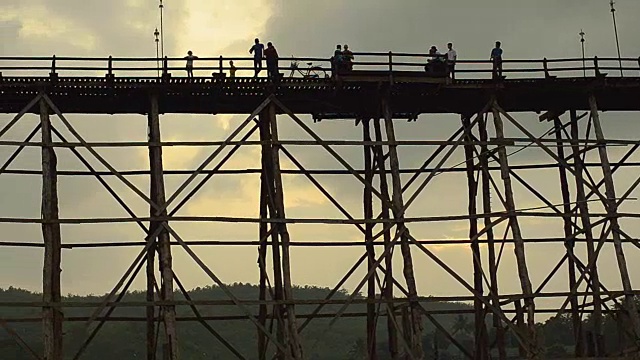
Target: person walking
271 54
257 50
452 57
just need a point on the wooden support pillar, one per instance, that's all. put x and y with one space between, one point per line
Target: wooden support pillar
262 254
483 159
585 220
371 254
387 291
52 316
293 341
523 272
611 205
268 186
167 312
414 338
481 344
569 244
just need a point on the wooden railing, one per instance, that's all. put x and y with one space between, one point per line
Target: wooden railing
374 62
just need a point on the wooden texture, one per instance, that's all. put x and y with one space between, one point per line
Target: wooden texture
519 248
569 244
170 346
368 239
611 206
480 331
414 336
51 293
387 291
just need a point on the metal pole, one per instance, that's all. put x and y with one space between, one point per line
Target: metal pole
615 29
161 29
156 34
584 66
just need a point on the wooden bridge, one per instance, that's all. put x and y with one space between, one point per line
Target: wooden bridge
568 94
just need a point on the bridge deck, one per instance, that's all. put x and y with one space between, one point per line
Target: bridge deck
411 94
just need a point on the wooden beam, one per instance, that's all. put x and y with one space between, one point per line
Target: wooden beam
414 337
52 317
368 239
168 313
611 207
519 249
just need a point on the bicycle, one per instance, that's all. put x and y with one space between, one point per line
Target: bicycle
312 72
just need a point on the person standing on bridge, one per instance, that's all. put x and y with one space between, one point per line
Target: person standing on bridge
190 57
452 57
257 49
347 57
271 54
496 58
232 69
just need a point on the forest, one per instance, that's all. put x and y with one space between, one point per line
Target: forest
345 339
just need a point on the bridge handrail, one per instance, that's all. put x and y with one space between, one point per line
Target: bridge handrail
392 62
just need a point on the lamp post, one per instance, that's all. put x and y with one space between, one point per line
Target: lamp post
161 28
615 29
157 34
584 66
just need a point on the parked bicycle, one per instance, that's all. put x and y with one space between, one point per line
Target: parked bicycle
311 72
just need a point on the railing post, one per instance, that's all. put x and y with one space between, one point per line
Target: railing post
165 68
221 65
53 66
110 68
546 68
390 68
595 65
638 65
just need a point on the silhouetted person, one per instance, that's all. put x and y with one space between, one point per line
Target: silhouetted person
347 57
336 60
496 57
232 69
452 57
434 56
190 57
257 49
272 61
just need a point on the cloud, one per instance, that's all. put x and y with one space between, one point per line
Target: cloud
544 28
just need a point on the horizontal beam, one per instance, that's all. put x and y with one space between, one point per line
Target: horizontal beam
251 243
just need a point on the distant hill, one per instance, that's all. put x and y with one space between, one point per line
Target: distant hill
126 340
344 340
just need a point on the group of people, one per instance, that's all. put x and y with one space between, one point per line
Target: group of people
449 59
343 60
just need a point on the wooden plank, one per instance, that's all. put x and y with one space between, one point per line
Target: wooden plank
52 317
368 239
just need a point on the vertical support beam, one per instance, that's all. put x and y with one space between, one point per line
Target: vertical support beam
167 312
569 244
262 256
583 209
483 159
294 343
371 255
611 206
269 188
387 291
414 337
481 343
52 316
523 272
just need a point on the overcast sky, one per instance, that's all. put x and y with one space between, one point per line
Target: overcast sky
528 29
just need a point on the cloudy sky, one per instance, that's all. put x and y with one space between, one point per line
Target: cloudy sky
528 29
